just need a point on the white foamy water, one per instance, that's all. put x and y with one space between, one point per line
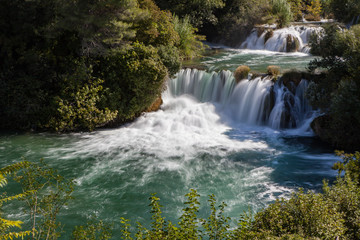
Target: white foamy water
278 39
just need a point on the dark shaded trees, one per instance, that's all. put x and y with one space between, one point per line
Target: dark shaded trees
337 91
57 61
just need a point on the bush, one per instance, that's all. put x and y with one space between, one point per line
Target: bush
170 57
132 81
273 70
190 44
306 214
282 10
241 73
77 104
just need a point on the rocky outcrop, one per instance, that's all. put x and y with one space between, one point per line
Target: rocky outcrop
321 127
341 139
155 105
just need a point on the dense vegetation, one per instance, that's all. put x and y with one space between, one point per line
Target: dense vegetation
77 65
332 214
336 92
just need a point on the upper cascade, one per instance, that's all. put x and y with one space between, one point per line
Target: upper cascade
291 39
259 101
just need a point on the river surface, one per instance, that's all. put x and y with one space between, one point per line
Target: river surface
187 144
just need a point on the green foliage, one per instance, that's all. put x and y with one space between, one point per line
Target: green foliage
188 221
6 226
200 12
158 222
157 27
50 48
345 10
77 105
296 9
336 92
217 225
94 229
190 45
236 20
282 10
307 215
170 57
133 80
49 192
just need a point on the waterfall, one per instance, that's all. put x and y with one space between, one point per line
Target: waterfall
292 39
259 101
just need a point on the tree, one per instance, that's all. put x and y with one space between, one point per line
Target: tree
345 10
315 9
200 12
296 9
6 225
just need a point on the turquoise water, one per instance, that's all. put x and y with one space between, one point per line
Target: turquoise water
187 144
258 60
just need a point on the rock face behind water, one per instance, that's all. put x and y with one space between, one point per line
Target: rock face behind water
321 127
341 139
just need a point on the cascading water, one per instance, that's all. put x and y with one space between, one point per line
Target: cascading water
211 134
256 102
292 39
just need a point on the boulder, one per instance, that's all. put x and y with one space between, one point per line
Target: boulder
292 79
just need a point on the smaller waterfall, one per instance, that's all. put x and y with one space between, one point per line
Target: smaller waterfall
292 39
255 102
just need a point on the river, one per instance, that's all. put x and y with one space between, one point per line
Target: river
205 142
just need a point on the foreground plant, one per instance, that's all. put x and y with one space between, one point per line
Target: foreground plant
333 214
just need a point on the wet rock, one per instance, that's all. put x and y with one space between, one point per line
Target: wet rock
268 35
292 79
292 43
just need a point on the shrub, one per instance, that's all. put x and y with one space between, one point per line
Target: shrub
282 10
76 106
241 73
306 214
190 44
273 70
170 56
